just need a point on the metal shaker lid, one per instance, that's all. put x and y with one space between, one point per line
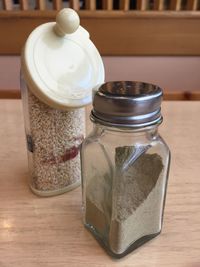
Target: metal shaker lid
127 104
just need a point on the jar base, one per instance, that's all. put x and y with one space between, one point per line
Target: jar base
55 192
132 247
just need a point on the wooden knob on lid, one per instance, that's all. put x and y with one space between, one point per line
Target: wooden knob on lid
67 21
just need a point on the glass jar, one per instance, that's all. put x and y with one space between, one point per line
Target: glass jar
125 166
53 139
60 66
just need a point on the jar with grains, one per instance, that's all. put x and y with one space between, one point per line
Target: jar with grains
60 66
125 165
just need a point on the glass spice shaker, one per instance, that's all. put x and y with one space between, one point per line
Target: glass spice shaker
60 66
125 165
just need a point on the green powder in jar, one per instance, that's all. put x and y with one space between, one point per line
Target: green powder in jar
124 207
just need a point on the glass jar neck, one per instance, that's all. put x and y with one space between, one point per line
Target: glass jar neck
150 131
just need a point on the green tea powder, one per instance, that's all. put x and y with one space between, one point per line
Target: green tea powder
125 206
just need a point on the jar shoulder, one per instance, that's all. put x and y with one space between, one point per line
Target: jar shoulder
114 138
161 141
101 144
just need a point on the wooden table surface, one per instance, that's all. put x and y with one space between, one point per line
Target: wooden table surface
49 232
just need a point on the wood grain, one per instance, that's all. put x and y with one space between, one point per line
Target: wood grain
124 4
142 5
57 4
114 32
172 95
193 4
49 231
175 95
193 95
75 4
175 5
7 4
41 4
10 93
90 4
23 4
159 5
107 4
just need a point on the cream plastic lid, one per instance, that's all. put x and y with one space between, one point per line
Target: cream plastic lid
60 63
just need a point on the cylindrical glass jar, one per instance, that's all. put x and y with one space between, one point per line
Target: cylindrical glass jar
125 166
60 66
53 140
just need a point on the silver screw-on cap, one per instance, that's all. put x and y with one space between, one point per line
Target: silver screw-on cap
127 104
